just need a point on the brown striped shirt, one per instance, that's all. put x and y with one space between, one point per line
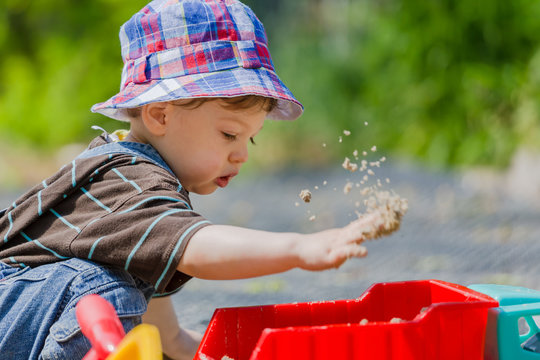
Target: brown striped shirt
117 209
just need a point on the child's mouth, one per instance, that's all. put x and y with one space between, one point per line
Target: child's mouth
223 181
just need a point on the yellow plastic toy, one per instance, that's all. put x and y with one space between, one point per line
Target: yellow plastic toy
141 343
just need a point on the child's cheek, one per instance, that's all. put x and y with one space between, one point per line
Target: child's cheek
210 163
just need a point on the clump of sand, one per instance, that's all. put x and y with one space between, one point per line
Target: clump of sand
396 320
305 195
348 187
348 165
389 208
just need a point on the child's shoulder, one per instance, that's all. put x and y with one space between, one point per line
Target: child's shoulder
137 164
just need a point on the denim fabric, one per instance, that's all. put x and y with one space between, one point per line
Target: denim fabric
37 306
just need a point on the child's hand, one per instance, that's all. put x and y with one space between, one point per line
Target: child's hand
177 343
331 248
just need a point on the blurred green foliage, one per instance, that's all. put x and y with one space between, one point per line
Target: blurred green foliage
59 57
450 82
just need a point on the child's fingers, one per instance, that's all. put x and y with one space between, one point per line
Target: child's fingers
357 251
349 251
356 230
373 225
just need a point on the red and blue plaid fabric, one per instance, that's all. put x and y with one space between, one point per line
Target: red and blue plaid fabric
179 49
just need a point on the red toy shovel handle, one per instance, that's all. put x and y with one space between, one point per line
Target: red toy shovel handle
100 324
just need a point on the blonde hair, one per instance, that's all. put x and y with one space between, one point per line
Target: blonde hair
234 103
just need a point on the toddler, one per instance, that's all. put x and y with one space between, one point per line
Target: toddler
197 84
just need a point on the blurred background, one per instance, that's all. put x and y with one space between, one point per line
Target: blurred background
448 84
448 92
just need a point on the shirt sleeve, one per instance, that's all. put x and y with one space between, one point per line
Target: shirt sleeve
146 236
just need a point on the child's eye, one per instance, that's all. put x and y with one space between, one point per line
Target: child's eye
252 141
229 136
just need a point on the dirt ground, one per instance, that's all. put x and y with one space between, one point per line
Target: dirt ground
464 229
455 230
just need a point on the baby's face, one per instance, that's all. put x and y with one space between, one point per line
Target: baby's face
207 146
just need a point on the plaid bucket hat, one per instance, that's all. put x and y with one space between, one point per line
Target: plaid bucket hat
181 49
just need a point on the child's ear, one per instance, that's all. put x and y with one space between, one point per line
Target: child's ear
154 119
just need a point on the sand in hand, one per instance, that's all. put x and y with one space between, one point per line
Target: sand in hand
383 211
387 209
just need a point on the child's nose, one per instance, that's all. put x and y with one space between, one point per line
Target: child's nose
239 155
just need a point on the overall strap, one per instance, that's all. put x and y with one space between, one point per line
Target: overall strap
144 151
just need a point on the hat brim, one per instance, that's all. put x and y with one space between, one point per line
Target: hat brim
226 83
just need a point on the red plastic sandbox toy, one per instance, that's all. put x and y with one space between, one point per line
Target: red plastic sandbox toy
409 320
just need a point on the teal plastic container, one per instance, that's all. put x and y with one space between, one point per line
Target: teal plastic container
503 338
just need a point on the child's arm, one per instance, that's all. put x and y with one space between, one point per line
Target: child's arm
221 252
229 252
177 343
